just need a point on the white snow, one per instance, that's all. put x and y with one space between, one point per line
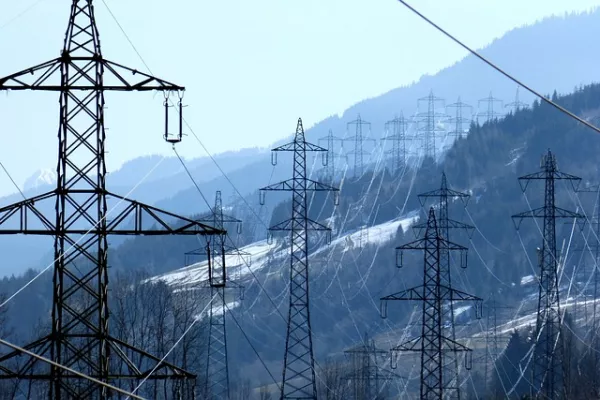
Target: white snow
42 177
527 279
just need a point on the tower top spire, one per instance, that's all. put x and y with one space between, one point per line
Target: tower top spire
82 37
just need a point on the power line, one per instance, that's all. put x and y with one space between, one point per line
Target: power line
500 70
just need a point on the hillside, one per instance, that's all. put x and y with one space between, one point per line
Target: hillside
350 275
548 46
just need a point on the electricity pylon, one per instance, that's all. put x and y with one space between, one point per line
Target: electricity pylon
459 119
489 112
80 337
548 361
216 251
299 366
517 105
396 132
330 156
433 343
359 139
443 195
366 374
428 124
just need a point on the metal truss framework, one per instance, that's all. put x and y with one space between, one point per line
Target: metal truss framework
490 113
433 343
299 370
79 337
217 366
366 374
359 139
517 105
427 124
445 224
459 119
547 368
330 156
396 132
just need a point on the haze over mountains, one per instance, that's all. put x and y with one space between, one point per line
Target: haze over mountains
542 55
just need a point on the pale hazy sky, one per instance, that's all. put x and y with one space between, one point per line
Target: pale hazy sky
251 67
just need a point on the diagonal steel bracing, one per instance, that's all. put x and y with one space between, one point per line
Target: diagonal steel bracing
299 368
80 337
548 376
434 343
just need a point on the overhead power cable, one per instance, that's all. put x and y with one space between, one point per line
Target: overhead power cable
72 371
500 70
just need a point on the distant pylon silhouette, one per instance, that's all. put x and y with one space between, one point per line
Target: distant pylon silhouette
396 132
489 112
359 139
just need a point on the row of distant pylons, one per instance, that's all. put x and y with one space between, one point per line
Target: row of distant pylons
433 130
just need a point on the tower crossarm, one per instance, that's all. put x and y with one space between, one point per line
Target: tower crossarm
288 185
117 77
416 293
542 212
289 223
134 218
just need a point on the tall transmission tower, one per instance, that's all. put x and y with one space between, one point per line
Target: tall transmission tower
217 366
517 105
443 195
548 361
359 139
299 370
331 155
489 112
433 343
80 337
396 132
459 120
428 127
366 375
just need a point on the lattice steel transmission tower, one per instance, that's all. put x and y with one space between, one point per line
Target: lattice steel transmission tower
216 251
366 374
548 362
459 119
443 195
396 132
359 139
489 112
330 156
299 371
428 127
433 343
517 105
80 336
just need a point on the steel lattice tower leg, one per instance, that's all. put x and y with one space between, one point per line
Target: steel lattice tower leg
79 336
433 343
548 363
298 371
